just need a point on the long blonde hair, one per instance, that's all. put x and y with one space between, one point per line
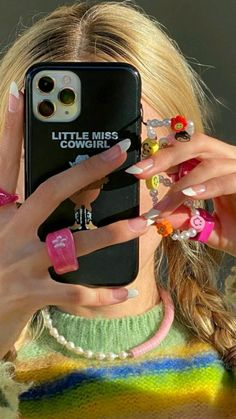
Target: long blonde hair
121 31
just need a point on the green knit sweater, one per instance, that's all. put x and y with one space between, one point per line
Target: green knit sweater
182 378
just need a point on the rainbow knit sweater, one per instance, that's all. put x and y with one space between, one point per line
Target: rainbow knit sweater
183 378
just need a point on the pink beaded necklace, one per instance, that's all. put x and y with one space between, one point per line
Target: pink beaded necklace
132 353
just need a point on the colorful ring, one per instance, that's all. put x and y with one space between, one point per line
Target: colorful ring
61 250
207 226
7 198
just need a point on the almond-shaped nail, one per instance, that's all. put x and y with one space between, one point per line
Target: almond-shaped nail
122 294
141 167
152 214
139 224
13 98
116 150
194 190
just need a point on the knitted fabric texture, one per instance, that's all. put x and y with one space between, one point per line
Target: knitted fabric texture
182 378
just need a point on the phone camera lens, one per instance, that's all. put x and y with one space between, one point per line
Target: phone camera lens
67 96
46 84
46 108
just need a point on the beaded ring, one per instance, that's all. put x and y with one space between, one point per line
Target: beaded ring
182 130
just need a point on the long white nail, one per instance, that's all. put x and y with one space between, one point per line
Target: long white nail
14 90
134 170
124 144
153 213
150 222
189 192
13 102
132 292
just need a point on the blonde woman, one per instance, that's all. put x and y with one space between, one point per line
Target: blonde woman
64 373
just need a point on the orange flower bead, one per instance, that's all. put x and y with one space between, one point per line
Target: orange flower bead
164 228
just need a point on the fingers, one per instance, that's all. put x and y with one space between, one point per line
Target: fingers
89 241
206 170
37 291
201 147
202 182
58 294
11 140
213 188
44 291
52 192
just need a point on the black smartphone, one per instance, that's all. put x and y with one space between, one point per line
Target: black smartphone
72 112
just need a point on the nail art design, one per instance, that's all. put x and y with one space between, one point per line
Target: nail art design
134 170
153 213
194 190
124 144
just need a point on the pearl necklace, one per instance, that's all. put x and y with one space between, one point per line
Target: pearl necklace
132 353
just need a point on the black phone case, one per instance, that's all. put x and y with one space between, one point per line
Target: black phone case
111 102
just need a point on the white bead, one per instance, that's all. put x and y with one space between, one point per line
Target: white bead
151 133
48 322
182 236
88 354
61 340
190 127
154 123
175 236
187 234
153 193
167 182
54 332
78 350
47 316
100 356
195 211
123 355
166 122
192 232
188 203
70 345
163 142
111 356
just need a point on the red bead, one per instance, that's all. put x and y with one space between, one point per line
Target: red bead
179 123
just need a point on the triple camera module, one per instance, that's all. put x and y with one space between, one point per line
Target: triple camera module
66 96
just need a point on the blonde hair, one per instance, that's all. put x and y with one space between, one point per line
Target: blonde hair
121 31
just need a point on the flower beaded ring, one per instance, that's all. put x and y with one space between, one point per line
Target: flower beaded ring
201 222
181 131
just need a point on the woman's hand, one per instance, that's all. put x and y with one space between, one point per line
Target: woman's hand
25 284
216 173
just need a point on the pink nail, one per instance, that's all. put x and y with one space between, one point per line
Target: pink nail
138 224
119 294
122 294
